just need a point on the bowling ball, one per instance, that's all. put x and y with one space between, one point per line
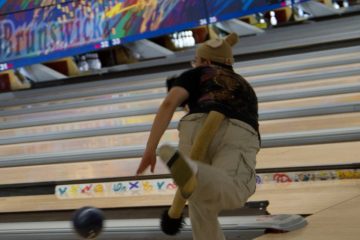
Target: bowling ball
88 222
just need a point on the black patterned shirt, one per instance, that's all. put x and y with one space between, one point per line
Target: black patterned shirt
219 88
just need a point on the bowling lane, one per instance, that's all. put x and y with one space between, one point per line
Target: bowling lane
249 74
57 116
308 84
339 221
280 157
271 64
313 101
111 96
82 126
94 143
310 123
103 109
136 139
348 67
153 93
306 197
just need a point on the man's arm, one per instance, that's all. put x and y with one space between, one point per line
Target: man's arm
175 97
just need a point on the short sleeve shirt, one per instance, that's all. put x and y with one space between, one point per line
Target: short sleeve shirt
219 88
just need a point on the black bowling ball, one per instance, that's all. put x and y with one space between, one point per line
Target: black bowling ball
88 222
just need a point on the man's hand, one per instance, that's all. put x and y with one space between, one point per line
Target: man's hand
148 159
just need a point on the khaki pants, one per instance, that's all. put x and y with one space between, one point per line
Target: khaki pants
227 177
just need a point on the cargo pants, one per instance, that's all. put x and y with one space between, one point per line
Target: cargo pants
226 178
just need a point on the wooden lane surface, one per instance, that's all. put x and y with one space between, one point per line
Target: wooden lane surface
262 89
289 86
308 84
291 198
85 110
313 101
340 221
133 139
271 65
310 123
84 125
238 67
89 91
148 118
157 90
296 73
309 155
306 197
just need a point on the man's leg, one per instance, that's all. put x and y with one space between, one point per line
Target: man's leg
204 222
214 190
228 182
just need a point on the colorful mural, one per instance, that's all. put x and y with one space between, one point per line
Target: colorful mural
127 18
220 10
7 7
54 31
42 30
